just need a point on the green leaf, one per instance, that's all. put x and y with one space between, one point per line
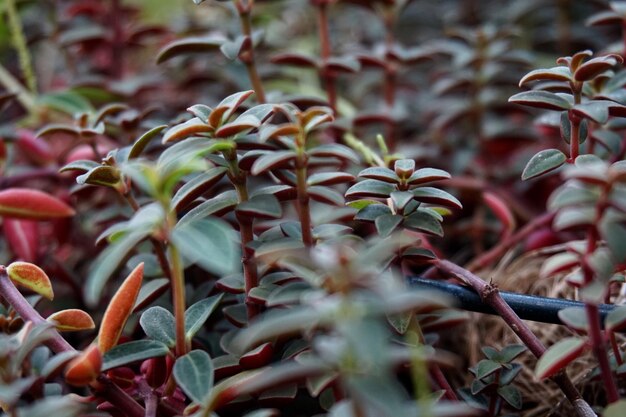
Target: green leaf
67 102
194 375
134 351
380 174
158 324
424 222
371 212
210 243
273 160
370 188
334 150
149 291
189 45
510 352
596 110
614 233
215 206
559 356
575 318
198 313
424 175
107 262
104 175
616 319
197 186
387 223
326 195
511 395
553 74
486 367
436 196
140 144
262 206
541 99
544 161
81 165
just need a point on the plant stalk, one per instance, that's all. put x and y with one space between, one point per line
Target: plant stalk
325 51
248 56
491 296
303 196
178 296
19 43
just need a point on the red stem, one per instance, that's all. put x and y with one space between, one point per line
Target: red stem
325 51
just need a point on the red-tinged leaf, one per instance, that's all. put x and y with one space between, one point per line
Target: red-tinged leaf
22 237
241 125
296 60
183 130
347 65
258 357
233 49
227 107
56 129
189 45
380 174
197 186
424 222
32 277
559 263
140 144
85 368
233 284
436 196
551 74
225 366
326 195
329 178
334 150
424 175
574 318
119 310
236 314
261 206
24 203
616 319
502 212
543 162
71 320
201 111
596 110
36 150
596 66
104 175
273 132
370 188
559 356
273 160
541 100
607 17
572 217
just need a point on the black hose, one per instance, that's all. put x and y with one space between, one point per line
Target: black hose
527 307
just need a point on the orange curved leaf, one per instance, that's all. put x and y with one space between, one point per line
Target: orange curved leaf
85 368
119 309
32 277
25 203
71 320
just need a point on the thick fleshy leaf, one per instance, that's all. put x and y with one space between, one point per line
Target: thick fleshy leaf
371 212
232 49
559 356
257 357
261 206
150 292
135 351
573 217
436 196
424 175
380 174
198 313
198 185
32 277
103 175
553 74
85 368
293 59
22 237
189 45
559 263
596 110
486 367
25 203
210 243
189 128
425 222
575 318
541 99
158 324
194 375
596 66
617 409
329 178
334 150
71 320
119 309
140 144
227 107
387 223
273 160
215 206
544 161
80 165
511 395
616 319
614 233
370 188
326 195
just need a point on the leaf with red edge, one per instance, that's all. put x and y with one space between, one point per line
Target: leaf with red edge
25 203
32 277
605 17
541 100
22 237
272 160
119 310
85 368
616 319
596 66
502 212
559 263
436 196
258 357
296 60
189 45
552 74
183 130
543 162
227 107
559 356
71 320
